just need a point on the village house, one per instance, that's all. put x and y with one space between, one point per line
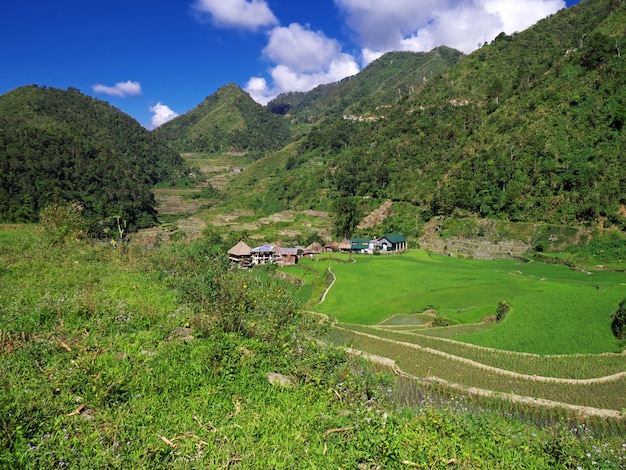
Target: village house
344 246
287 256
395 242
360 245
331 247
247 257
314 248
263 254
240 253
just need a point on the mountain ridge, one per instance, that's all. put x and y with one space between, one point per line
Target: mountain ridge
60 145
227 120
527 128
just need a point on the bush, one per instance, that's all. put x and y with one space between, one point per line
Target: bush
618 322
63 221
502 310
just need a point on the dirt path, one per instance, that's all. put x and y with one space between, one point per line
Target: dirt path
478 365
328 288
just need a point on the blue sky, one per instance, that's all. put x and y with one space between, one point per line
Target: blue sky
156 59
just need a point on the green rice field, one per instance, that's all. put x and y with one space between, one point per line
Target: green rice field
554 309
434 316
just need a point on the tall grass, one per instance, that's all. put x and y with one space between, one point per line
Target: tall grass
425 363
587 366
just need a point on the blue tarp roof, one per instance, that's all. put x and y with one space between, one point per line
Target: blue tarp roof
262 249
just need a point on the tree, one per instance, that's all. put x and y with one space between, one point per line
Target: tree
347 216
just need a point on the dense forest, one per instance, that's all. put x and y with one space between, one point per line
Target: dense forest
527 128
227 120
60 146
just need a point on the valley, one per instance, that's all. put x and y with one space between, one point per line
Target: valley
493 337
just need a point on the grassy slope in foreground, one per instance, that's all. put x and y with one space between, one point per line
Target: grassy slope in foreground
91 377
555 310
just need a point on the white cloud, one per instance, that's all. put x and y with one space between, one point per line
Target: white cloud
162 114
300 48
519 15
258 89
244 14
121 89
420 25
303 59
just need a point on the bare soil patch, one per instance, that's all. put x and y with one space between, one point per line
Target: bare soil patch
377 216
173 202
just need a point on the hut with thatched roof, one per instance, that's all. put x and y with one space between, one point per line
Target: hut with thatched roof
332 246
240 252
314 248
345 246
287 256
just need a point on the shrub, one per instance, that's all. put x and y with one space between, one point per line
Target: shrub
618 322
502 310
63 221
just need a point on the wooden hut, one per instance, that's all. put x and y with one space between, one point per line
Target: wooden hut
345 246
314 248
240 252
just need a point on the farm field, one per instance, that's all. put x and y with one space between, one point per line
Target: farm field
160 358
554 309
554 347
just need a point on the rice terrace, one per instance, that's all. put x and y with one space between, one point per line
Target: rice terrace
435 316
421 265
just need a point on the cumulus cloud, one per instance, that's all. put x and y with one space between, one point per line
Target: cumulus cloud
243 14
302 60
420 25
121 89
300 48
161 114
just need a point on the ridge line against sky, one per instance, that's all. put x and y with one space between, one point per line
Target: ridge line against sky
157 61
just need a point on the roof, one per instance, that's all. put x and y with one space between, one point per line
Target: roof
288 251
345 245
315 247
395 238
263 249
240 249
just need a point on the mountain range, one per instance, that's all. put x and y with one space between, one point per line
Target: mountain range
530 127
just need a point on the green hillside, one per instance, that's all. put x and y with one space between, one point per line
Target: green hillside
384 81
63 146
527 128
227 120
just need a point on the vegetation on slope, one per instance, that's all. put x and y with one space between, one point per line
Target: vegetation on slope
552 306
384 81
134 359
527 128
62 146
227 120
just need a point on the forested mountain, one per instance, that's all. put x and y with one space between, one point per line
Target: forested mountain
382 82
63 146
528 128
228 119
